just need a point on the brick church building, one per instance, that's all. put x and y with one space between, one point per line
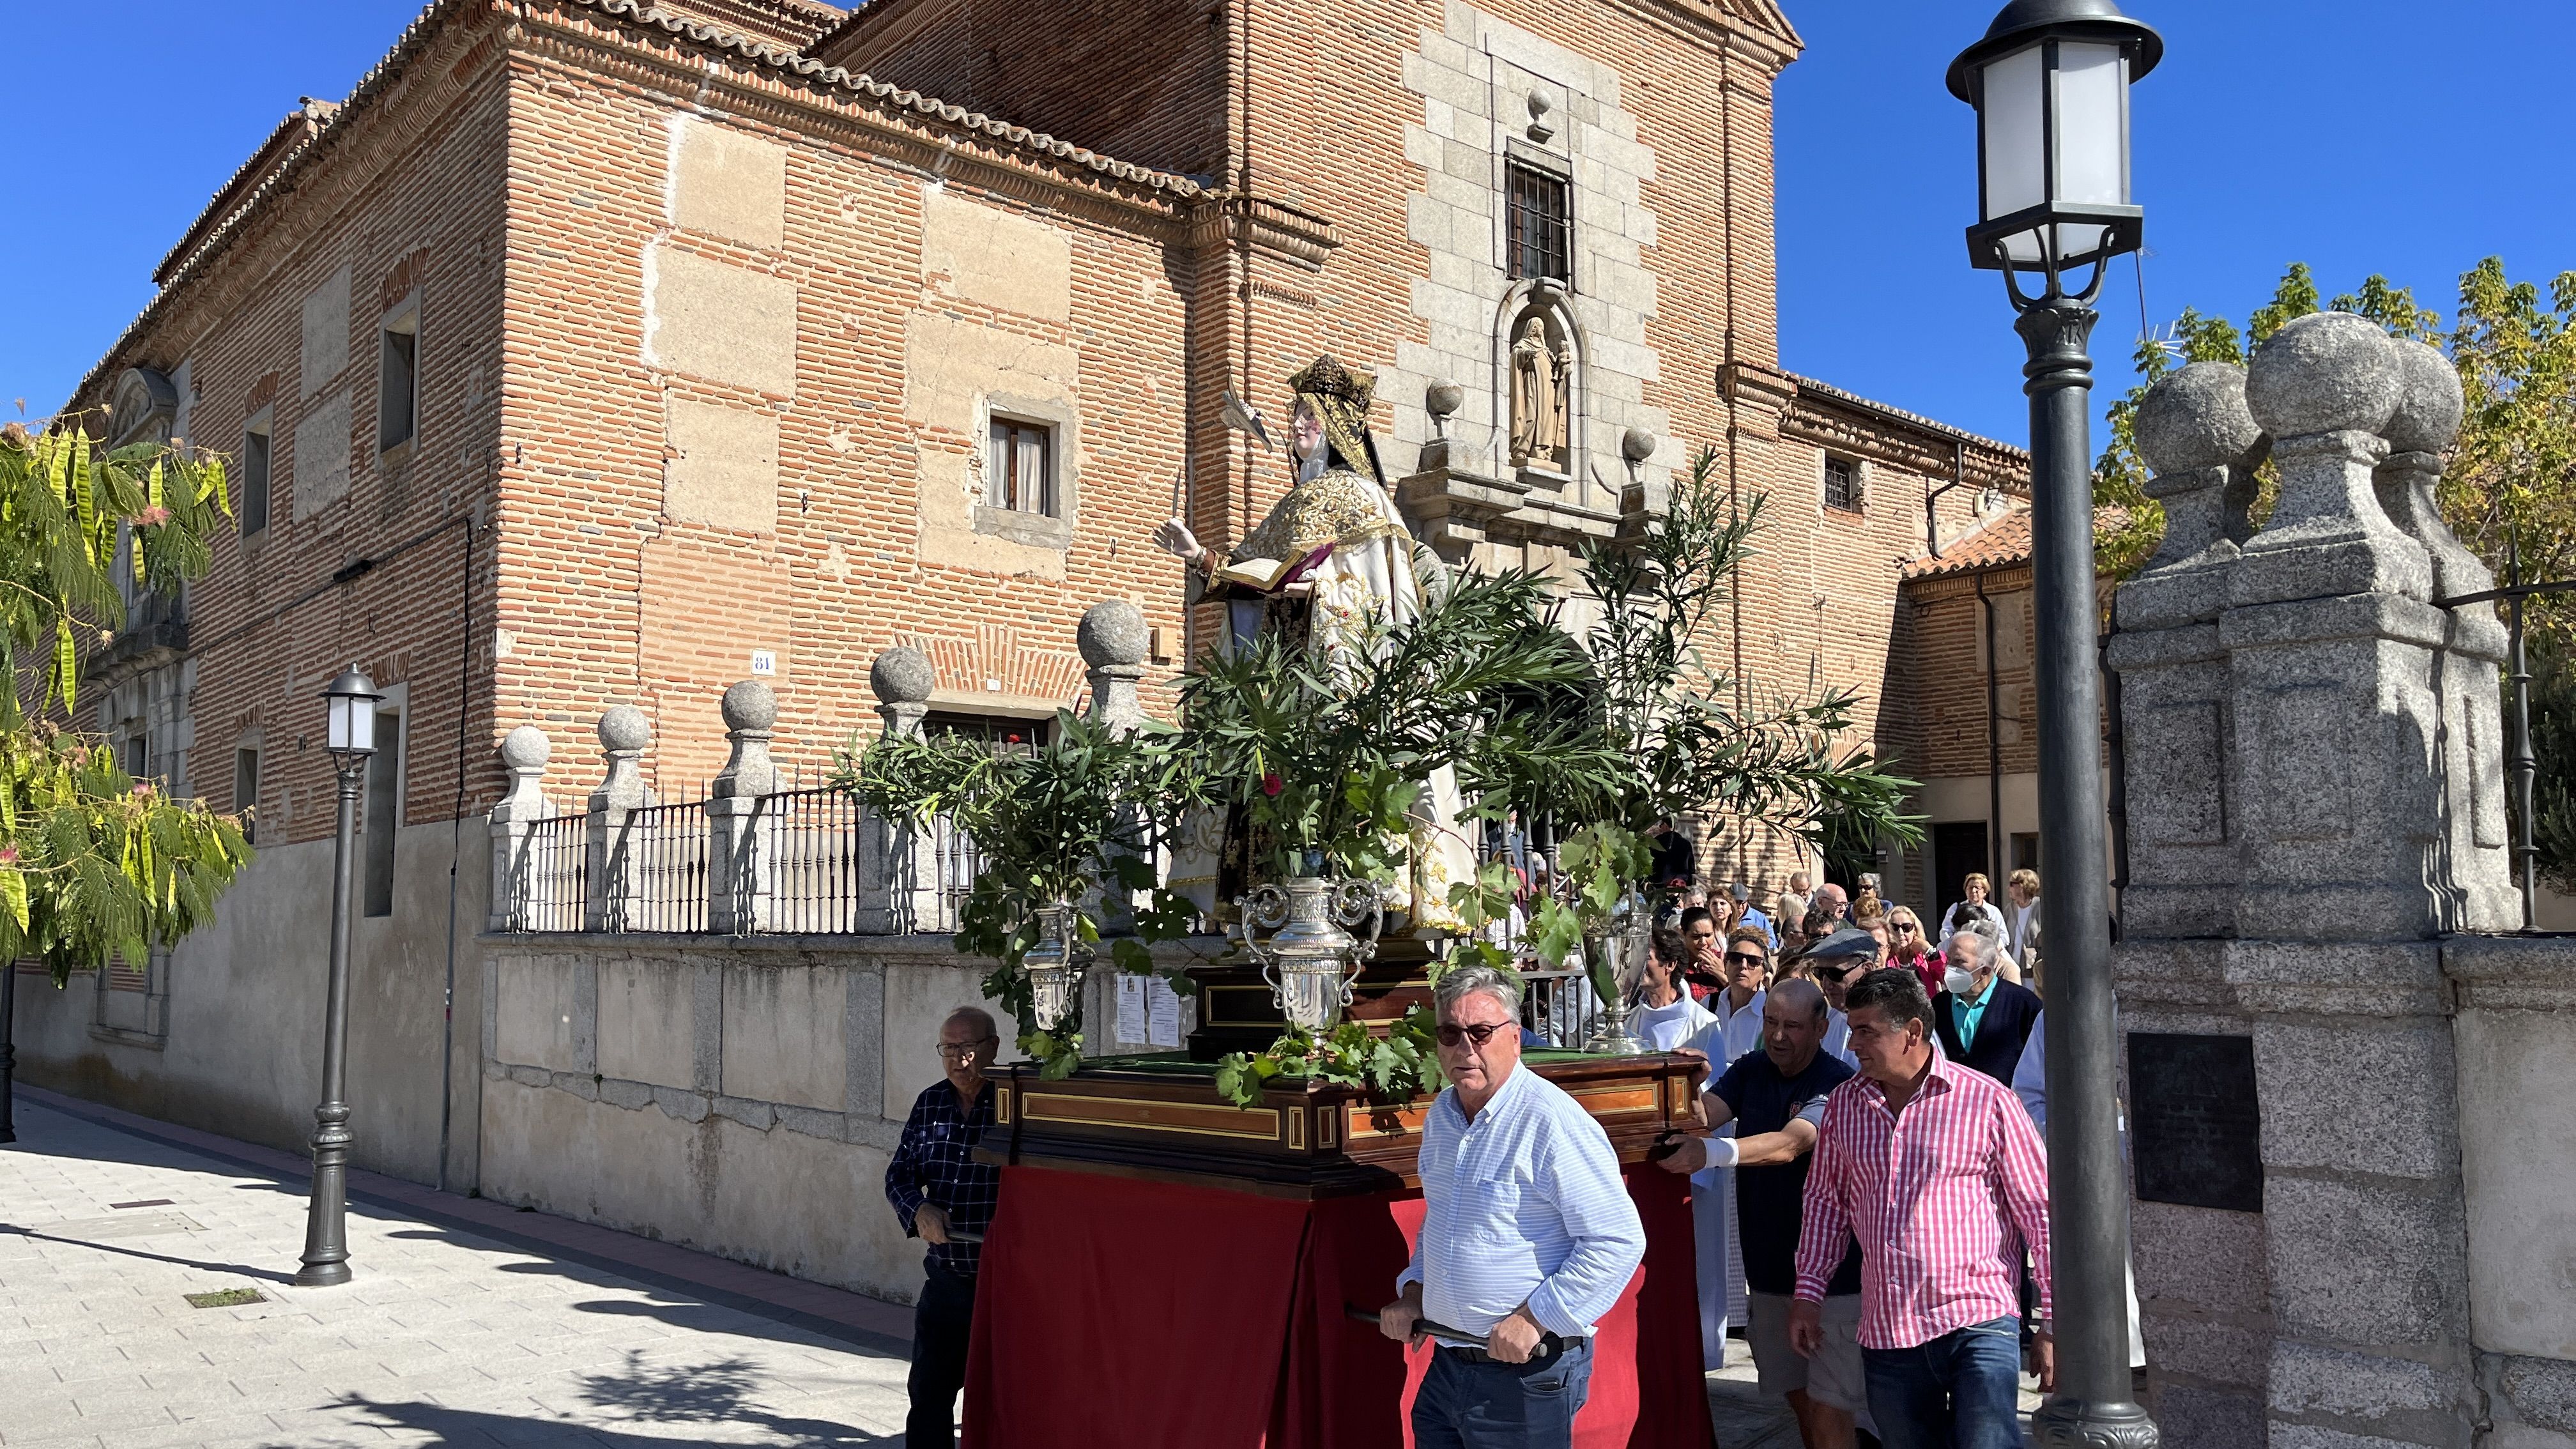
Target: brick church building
600 351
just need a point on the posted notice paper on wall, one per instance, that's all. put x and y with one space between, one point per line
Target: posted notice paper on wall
1164 1005
1131 1007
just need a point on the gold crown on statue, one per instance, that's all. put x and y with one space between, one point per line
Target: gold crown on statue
1327 377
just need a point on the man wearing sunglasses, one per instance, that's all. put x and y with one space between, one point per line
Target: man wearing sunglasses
1528 1237
1835 963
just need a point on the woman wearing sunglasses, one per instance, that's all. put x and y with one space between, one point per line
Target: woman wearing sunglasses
1910 948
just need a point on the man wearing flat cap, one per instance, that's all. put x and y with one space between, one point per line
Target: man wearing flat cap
1833 964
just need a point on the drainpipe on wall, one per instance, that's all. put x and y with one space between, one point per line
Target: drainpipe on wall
1994 747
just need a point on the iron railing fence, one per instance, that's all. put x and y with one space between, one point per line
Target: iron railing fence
1560 1007
807 866
811 863
960 864
657 871
554 884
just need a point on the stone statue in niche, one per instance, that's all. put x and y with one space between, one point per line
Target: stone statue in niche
1540 399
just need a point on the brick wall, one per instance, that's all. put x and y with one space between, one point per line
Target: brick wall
406 210
709 422
1141 80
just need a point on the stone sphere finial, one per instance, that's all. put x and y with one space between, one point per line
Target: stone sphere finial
2327 372
625 727
2428 415
2196 418
1637 445
750 705
1443 398
902 675
526 748
1112 632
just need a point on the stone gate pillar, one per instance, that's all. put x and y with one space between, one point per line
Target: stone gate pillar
2308 745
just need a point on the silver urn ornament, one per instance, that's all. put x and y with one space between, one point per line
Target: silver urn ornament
1055 965
1619 955
1310 952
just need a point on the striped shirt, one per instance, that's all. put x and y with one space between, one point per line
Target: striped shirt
1522 1205
1941 1196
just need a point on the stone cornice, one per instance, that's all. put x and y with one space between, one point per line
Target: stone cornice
1754 29
2512 973
1269 228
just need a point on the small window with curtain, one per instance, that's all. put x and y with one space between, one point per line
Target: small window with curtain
1537 222
1842 485
1019 466
254 474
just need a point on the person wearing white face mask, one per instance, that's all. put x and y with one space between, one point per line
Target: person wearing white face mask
1983 1021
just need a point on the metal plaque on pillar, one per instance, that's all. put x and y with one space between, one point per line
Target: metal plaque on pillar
2197 1131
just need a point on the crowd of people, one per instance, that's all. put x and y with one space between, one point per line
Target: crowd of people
1869 1185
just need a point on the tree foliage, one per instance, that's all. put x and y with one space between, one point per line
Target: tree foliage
2510 478
2511 468
1081 815
94 865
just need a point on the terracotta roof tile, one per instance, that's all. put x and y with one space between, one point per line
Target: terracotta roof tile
2003 543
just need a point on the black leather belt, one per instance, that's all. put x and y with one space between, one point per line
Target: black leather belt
1549 1346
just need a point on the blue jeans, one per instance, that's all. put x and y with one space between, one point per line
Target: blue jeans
1464 1405
1959 1391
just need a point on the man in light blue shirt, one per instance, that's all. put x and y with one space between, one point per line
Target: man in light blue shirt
1528 1237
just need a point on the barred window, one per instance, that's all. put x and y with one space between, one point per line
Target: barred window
1842 485
1537 223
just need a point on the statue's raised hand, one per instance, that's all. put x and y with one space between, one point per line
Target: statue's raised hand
1174 537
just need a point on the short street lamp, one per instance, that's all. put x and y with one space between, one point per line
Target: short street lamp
351 738
2050 82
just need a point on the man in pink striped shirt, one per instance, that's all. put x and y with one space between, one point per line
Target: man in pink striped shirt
1939 1173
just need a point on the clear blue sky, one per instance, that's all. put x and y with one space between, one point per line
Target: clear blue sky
2356 135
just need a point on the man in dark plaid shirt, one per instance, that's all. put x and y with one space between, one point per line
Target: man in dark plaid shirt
938 1190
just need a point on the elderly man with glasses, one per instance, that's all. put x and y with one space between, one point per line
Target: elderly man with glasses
946 1198
1528 1237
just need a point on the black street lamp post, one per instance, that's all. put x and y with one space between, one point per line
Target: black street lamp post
8 1051
2050 82
351 701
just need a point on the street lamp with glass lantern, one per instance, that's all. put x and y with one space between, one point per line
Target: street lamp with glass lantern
350 736
2050 82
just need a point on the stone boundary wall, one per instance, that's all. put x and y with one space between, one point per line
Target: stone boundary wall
740 1096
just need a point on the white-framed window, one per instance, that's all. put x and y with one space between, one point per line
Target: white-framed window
1842 484
255 471
1019 465
398 380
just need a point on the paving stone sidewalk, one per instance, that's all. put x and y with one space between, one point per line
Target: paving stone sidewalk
467 1324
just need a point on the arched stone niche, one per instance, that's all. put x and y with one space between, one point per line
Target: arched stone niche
1539 376
141 408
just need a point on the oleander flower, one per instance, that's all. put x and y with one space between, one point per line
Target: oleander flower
1271 784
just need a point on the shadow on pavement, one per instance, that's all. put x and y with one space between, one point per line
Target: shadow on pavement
244 1269
719 1393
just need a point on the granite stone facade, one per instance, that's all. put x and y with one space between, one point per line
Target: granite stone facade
2298 755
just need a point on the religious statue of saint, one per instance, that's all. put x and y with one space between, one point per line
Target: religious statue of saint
1334 561
1539 397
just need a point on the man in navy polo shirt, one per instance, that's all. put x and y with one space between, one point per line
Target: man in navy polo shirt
1775 1098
